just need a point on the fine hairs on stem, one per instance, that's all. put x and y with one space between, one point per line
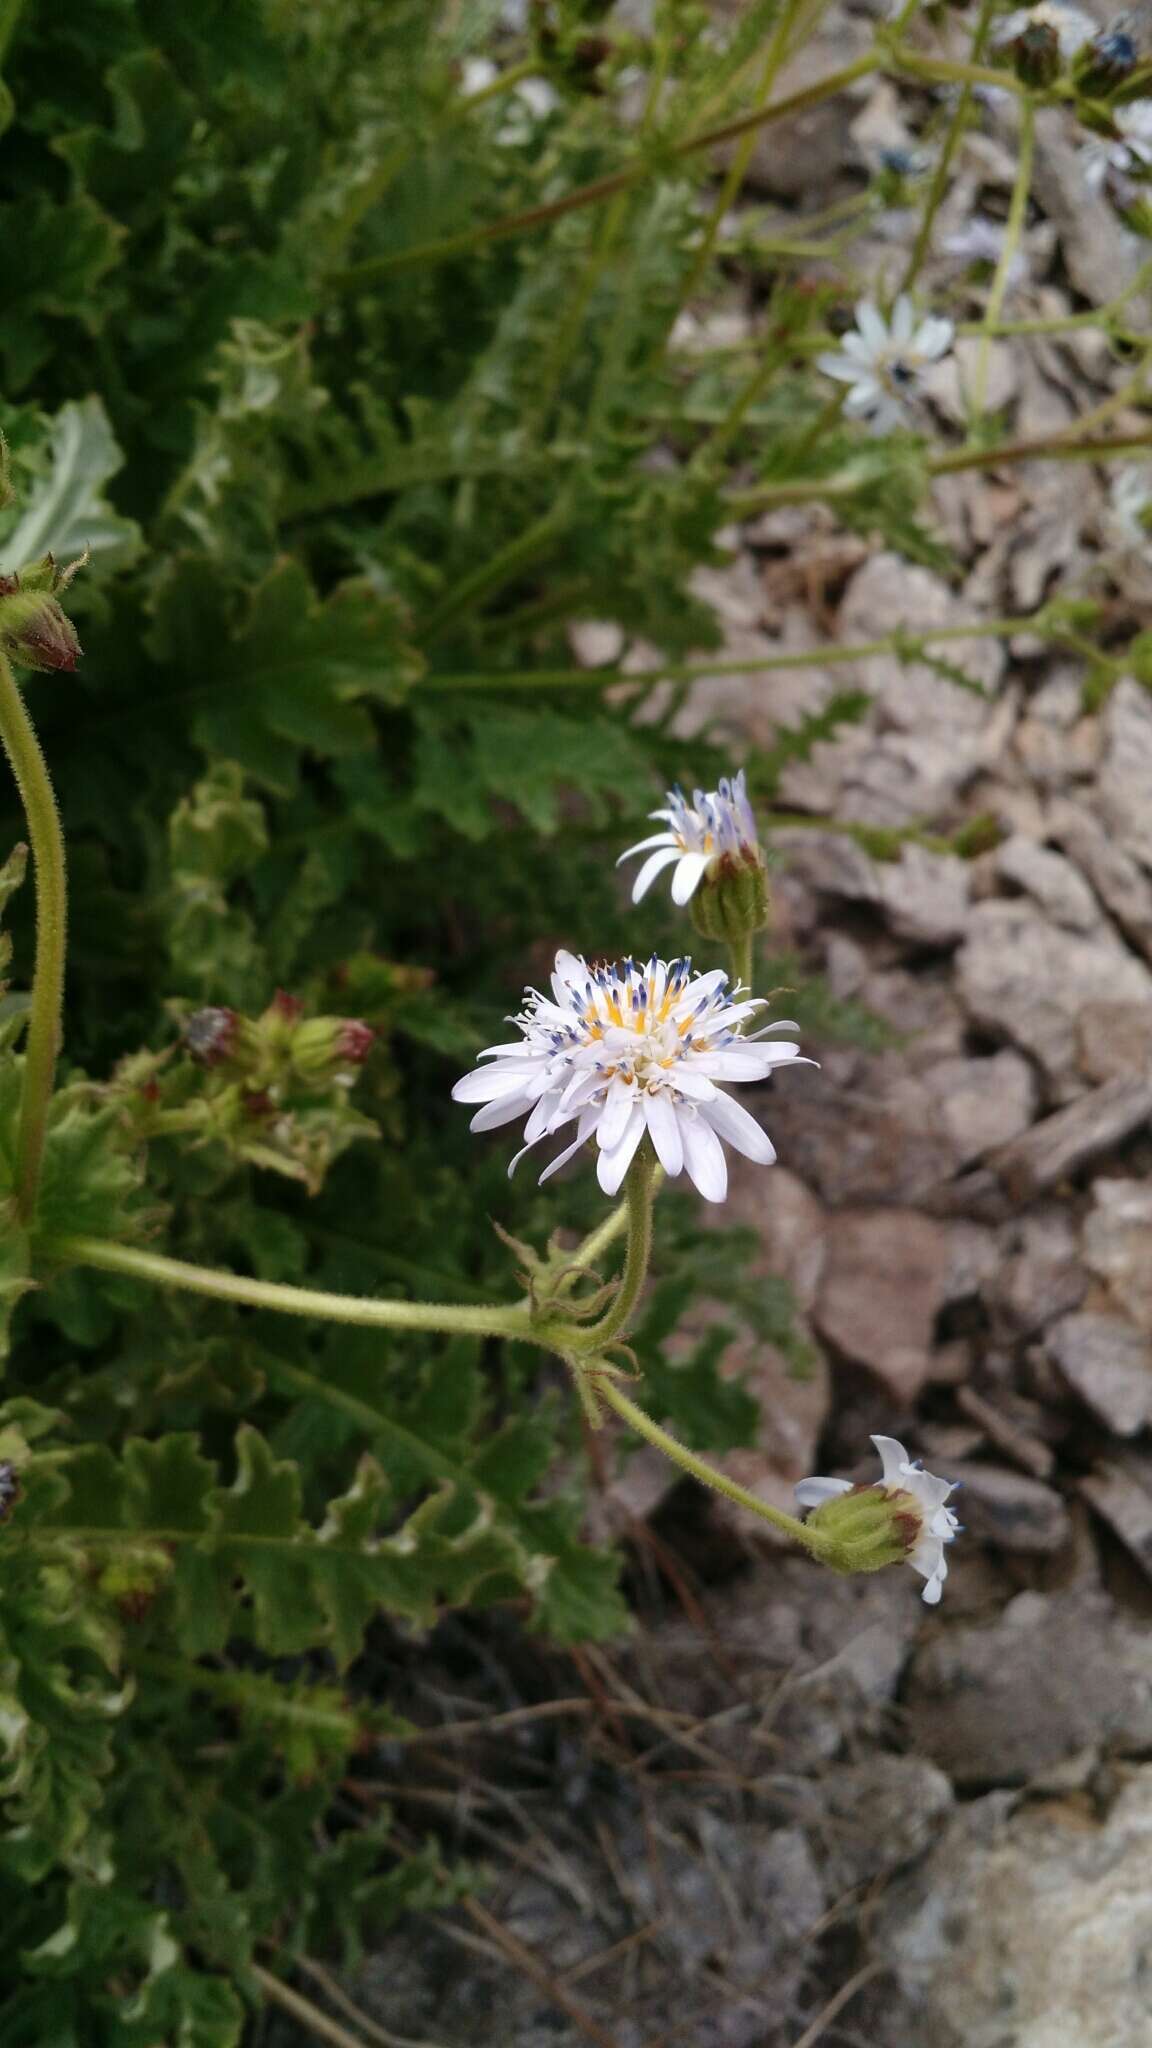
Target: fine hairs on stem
44 1018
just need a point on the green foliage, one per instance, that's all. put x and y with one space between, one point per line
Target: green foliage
347 467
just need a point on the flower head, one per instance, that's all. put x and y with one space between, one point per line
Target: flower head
621 1051
1106 63
981 240
1072 27
919 1525
718 825
1126 152
881 360
1130 505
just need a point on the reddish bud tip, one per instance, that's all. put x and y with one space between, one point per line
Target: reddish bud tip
355 1041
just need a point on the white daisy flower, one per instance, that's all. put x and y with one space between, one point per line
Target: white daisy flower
620 1051
1128 151
917 1495
718 824
1073 27
881 360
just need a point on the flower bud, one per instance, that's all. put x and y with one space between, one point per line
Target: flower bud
1105 64
1036 55
903 1518
35 631
218 1037
866 1529
731 901
323 1048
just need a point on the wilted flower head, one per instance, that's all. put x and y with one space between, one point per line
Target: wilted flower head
1106 63
1129 504
1071 26
620 1051
918 1527
1127 152
881 360
717 825
981 240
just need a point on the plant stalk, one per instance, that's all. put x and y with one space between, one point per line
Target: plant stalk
451 1318
707 1474
640 1189
44 1018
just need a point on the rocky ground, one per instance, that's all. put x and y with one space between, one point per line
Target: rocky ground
795 1809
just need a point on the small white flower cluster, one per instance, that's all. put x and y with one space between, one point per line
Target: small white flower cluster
697 834
1113 158
903 1478
882 360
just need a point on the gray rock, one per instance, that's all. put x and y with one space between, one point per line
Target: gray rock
802 154
1117 1236
1126 769
1030 1929
999 1704
924 896
1109 1364
885 1281
983 1102
1041 1277
1061 1144
1052 882
1120 1490
1115 1039
789 1223
1119 882
1011 1509
880 1814
1011 1435
910 697
1027 981
881 1142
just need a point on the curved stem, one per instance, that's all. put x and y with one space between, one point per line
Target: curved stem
707 1474
452 1318
774 57
599 1240
36 794
940 175
1014 228
362 276
640 1190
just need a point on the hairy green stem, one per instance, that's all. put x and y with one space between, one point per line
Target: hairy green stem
940 175
451 1318
1014 228
44 1027
740 962
774 57
361 276
640 1189
830 656
707 1474
599 1240
498 570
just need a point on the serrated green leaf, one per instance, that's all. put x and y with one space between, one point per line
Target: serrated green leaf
66 513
